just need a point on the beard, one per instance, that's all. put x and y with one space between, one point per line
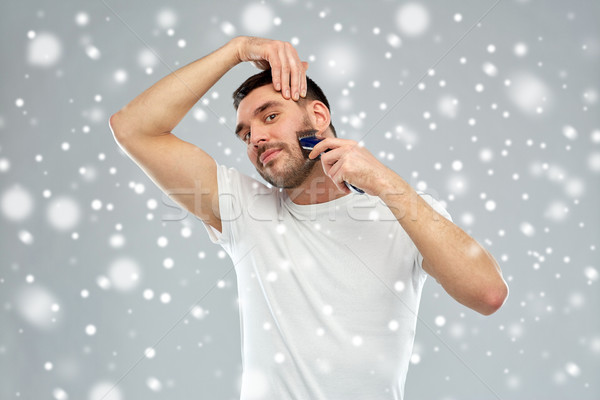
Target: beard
297 167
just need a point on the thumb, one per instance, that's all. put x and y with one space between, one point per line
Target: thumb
305 65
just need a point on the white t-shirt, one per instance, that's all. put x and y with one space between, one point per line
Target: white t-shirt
328 293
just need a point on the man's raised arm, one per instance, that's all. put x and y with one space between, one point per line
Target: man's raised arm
143 127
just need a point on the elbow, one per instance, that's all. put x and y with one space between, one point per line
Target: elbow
494 298
116 126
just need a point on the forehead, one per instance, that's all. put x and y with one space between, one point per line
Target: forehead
255 99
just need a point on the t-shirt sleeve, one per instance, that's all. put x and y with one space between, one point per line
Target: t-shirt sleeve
231 196
437 206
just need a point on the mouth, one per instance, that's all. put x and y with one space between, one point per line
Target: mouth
268 155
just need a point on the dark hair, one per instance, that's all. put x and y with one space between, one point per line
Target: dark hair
313 91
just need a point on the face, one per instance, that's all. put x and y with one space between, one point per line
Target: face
270 126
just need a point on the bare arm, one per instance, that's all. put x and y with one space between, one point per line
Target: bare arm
182 170
461 265
466 271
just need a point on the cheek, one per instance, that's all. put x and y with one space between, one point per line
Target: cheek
251 151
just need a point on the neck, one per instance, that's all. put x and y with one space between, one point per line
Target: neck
316 188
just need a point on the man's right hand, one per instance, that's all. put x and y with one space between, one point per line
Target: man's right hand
288 71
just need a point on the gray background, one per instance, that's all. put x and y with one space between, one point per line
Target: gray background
516 160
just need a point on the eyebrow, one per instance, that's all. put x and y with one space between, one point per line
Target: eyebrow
258 110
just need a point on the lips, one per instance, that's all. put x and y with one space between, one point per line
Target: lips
268 155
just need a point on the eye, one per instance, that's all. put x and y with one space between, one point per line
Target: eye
271 117
246 136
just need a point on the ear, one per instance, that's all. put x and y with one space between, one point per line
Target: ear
319 115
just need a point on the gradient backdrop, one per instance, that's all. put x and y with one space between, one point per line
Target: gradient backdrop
110 291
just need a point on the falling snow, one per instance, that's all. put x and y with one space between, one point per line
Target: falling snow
110 290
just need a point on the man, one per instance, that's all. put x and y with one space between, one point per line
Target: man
329 282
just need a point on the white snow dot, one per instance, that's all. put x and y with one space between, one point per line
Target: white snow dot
4 165
529 93
486 155
573 369
90 330
146 58
25 237
34 305
17 203
124 274
327 309
415 358
228 28
44 50
448 106
19 102
594 162
162 241
93 52
120 76
491 48
591 273
154 384
59 394
150 352
357 340
82 18
186 232
393 325
165 298
440 320
520 49
458 17
199 114
116 241
490 69
527 229
166 18
181 43
63 213
457 165
198 312
412 19
148 294
257 18
279 358
337 27
490 205
96 204
168 263
105 391
394 40
399 286
569 132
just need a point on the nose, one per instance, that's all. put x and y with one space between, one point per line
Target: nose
258 135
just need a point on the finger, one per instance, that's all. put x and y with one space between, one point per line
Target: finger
276 73
326 144
303 81
339 182
295 74
285 73
333 157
